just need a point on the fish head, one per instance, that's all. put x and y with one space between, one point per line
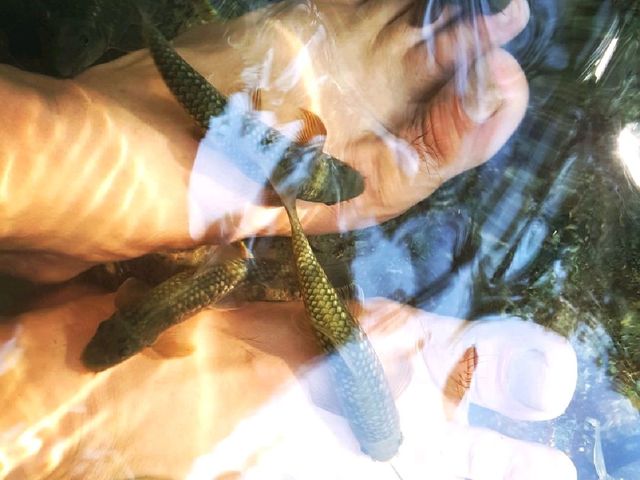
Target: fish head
75 45
112 343
323 178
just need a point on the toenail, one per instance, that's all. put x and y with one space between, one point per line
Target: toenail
515 14
527 379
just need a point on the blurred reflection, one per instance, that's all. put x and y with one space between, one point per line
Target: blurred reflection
629 150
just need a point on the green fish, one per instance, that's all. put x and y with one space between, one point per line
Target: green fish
363 389
129 331
313 174
77 34
361 383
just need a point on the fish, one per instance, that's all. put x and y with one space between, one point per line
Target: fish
314 175
361 384
363 389
68 36
130 330
76 39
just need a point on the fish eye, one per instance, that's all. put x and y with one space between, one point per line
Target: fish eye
124 350
84 39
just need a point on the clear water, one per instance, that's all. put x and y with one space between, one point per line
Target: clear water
546 231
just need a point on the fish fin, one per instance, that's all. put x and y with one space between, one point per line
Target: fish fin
459 379
130 293
243 250
312 128
352 296
223 253
256 99
228 304
338 271
269 197
176 342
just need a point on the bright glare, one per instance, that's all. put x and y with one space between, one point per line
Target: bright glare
606 57
629 150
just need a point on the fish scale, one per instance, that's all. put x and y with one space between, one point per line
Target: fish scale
128 331
314 175
363 389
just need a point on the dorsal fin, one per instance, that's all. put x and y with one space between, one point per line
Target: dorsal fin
256 99
175 342
459 379
312 127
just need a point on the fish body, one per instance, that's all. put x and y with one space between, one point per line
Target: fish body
314 175
64 37
129 331
363 389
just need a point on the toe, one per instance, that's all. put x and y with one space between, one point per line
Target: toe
441 47
522 371
471 117
478 453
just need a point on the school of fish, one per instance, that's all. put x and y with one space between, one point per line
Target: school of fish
359 379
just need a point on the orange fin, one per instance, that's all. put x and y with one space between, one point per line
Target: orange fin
459 379
269 197
176 341
312 127
131 291
231 251
352 296
256 99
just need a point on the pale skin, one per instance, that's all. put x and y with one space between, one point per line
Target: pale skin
106 158
123 148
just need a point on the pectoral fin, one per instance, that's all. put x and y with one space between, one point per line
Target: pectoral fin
256 99
352 296
130 293
269 197
175 342
313 128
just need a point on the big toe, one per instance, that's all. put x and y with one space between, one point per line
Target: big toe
470 118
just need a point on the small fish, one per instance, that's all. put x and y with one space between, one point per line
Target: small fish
75 34
313 174
363 388
129 331
77 43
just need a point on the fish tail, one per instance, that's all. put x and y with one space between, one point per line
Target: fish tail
358 374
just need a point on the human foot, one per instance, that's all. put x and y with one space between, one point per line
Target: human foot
387 96
398 103
241 399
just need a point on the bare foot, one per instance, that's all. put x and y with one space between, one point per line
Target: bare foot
98 168
242 401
